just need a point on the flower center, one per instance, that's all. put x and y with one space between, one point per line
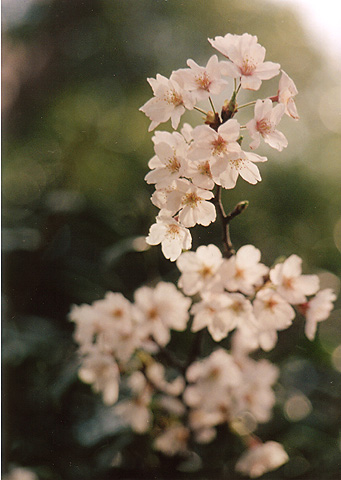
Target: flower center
152 314
173 230
248 66
264 127
203 81
174 98
191 199
206 271
117 313
173 165
204 169
219 145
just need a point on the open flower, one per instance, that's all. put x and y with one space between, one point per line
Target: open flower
264 125
202 81
199 269
246 59
169 102
290 283
192 204
226 170
166 166
173 237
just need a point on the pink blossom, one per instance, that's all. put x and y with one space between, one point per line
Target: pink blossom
264 125
286 91
225 170
192 204
202 81
208 142
173 440
317 310
170 101
246 59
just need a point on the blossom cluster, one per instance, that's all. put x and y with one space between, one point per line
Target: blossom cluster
187 165
124 345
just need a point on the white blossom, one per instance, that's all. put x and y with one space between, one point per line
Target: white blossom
160 309
290 283
221 313
173 440
199 269
243 271
101 371
174 238
166 166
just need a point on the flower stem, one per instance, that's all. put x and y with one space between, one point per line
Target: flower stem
200 110
246 104
212 105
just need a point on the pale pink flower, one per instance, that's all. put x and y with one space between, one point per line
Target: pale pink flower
101 371
216 373
254 394
170 101
246 59
202 81
160 309
264 125
199 269
317 310
225 170
136 412
166 166
203 421
160 196
290 283
192 204
199 171
286 91
221 313
243 272
173 440
272 313
208 142
174 238
86 320
261 458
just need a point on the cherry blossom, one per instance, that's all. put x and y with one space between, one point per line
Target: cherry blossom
159 309
225 170
208 142
290 283
170 102
199 269
261 458
246 59
272 313
192 204
199 171
202 81
243 272
101 371
155 372
317 310
167 166
264 125
174 238
286 91
221 313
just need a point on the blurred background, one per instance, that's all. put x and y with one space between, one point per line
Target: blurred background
76 209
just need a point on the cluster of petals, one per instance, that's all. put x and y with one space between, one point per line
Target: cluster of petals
262 458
